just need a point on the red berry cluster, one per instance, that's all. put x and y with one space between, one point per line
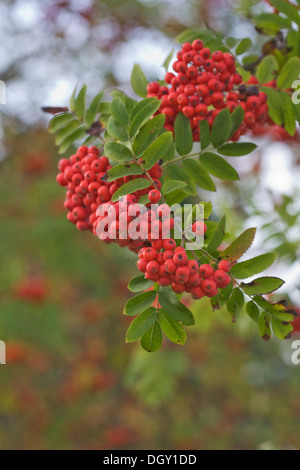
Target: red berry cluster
85 176
167 264
203 84
134 225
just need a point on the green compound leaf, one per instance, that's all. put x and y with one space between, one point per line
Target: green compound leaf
172 328
170 304
218 167
221 128
253 311
281 329
171 185
152 339
157 149
252 266
117 152
235 303
271 23
198 174
183 135
80 102
66 131
119 111
116 130
289 73
139 303
267 69
237 118
167 60
217 237
93 109
264 323
204 134
140 114
139 283
78 134
141 324
59 121
138 81
289 10
131 187
147 134
239 246
243 46
124 169
237 149
262 285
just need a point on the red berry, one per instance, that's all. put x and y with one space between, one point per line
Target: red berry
150 254
180 258
206 271
170 266
199 228
152 267
79 213
197 45
224 265
169 244
209 287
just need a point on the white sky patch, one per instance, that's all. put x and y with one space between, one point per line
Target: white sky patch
147 48
25 13
277 168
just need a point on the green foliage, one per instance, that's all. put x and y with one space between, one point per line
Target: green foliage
262 285
239 246
170 303
139 283
172 328
147 133
252 266
183 135
217 166
152 339
131 187
235 303
171 185
140 114
118 152
138 81
124 169
237 149
217 237
139 303
157 149
243 46
204 134
141 324
197 173
266 69
289 72
221 129
287 9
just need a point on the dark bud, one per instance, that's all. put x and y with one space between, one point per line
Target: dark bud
54 109
95 129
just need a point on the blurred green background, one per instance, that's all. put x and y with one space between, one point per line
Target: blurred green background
70 381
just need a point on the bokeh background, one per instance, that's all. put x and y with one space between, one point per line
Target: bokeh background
70 381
